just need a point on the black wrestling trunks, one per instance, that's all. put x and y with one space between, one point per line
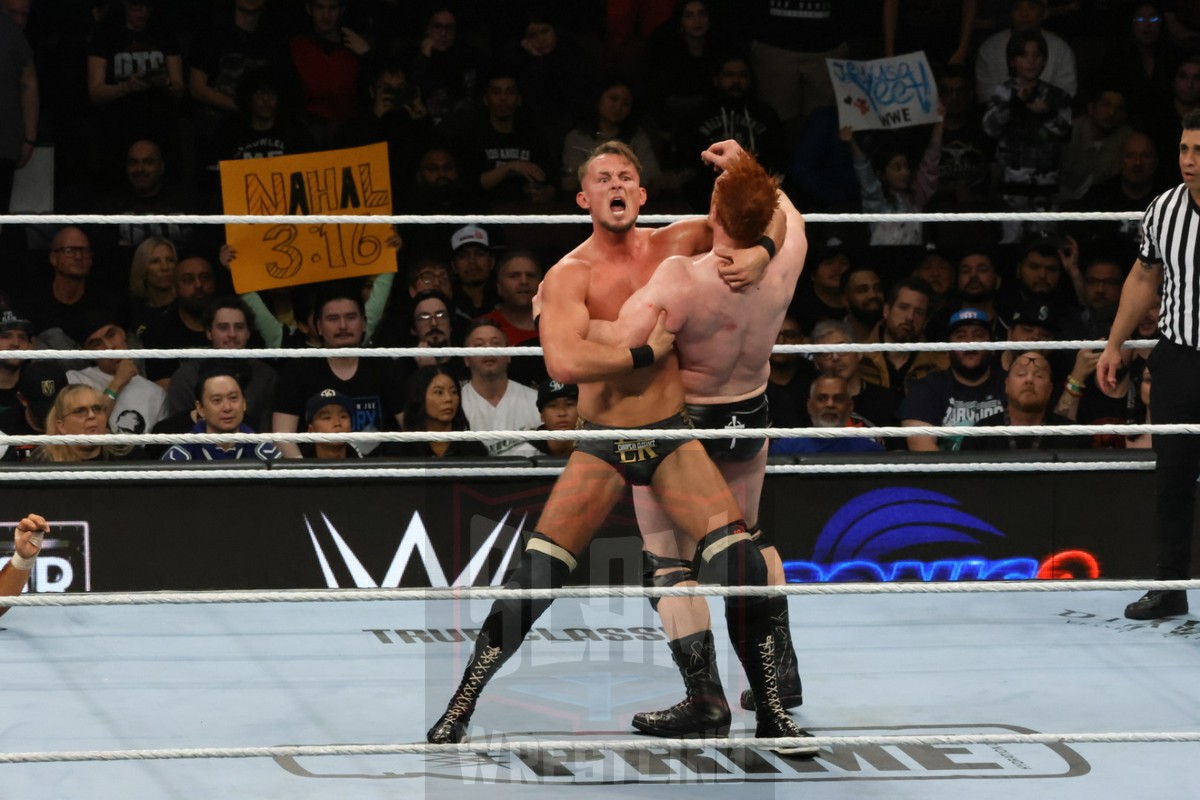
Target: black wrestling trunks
749 413
636 459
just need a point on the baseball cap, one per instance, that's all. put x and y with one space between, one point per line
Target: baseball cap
1033 312
832 246
327 397
39 383
469 234
10 320
969 316
552 390
82 327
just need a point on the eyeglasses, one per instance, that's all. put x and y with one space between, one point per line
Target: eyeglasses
80 252
83 411
425 316
432 277
1147 19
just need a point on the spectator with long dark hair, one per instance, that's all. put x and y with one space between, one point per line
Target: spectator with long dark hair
434 404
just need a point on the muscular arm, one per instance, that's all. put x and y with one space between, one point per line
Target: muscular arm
1138 296
570 356
669 289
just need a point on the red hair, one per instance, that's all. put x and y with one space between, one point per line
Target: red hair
745 198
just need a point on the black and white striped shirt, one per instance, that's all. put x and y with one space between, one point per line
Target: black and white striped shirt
1171 237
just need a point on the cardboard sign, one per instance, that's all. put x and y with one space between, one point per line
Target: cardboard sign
896 92
353 181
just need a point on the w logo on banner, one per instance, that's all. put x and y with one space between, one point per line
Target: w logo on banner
414 541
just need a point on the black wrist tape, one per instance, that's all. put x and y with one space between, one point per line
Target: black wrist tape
643 356
768 245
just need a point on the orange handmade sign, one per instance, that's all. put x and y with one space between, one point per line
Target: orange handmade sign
353 181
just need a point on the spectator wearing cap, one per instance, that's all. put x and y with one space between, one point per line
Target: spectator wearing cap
490 400
959 396
135 404
517 279
221 409
1035 321
329 411
821 297
557 404
70 294
1038 276
904 316
37 388
1027 390
16 333
472 261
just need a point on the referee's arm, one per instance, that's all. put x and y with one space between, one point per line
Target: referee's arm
1138 296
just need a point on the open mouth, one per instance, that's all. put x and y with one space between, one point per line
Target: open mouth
616 204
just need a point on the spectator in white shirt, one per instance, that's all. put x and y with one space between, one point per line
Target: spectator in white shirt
490 400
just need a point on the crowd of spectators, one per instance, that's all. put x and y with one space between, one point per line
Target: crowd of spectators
489 106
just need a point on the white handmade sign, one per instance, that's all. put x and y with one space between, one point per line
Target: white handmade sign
896 92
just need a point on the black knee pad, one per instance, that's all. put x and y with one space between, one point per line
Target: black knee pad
761 540
543 565
650 577
728 556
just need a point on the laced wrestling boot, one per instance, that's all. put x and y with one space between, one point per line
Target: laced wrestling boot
791 692
759 660
704 712
485 662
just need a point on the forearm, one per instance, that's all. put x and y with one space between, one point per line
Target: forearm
198 85
588 362
269 326
494 177
29 103
1138 296
12 581
377 301
890 14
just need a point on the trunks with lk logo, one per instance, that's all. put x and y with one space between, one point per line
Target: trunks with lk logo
636 459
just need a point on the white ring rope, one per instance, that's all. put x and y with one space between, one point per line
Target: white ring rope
638 744
254 596
269 471
447 352
885 431
536 219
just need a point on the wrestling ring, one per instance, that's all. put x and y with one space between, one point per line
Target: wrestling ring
319 693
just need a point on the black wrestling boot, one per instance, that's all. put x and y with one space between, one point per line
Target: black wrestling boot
791 692
704 712
485 662
1158 603
759 660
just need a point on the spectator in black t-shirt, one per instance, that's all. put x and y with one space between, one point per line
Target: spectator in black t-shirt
787 386
372 383
71 294
40 383
397 116
219 59
135 75
821 296
16 333
504 153
968 391
182 323
1027 390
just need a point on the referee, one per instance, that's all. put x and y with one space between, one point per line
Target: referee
1169 258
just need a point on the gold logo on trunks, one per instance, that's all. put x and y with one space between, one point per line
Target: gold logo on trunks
634 452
